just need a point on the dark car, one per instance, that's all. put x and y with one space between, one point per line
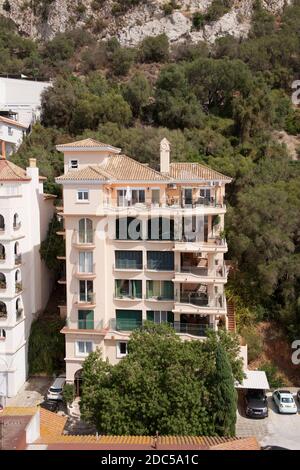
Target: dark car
298 396
256 404
50 405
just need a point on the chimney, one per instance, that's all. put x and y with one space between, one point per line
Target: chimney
165 156
32 162
3 150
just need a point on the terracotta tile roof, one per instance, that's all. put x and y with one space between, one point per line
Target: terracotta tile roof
247 443
89 173
194 171
51 424
122 167
12 122
115 168
11 172
86 143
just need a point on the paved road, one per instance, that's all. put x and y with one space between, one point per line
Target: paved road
276 430
32 393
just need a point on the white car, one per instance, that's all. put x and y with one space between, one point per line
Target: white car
56 389
285 402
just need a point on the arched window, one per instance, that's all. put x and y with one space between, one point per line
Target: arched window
18 281
3 310
17 223
18 258
2 252
85 231
2 334
19 309
2 223
2 281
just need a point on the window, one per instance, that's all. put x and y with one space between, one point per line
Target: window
155 197
82 195
85 319
19 310
86 291
2 334
16 223
128 320
84 348
158 316
130 197
128 228
3 310
160 290
2 281
160 260
128 288
2 223
85 262
195 228
2 252
85 227
73 164
121 349
160 228
129 259
10 131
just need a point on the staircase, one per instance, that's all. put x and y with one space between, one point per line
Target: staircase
231 316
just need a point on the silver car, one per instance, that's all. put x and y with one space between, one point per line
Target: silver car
285 402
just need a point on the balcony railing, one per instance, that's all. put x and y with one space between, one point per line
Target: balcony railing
2 285
2 258
218 271
180 328
194 298
163 298
88 298
194 329
84 325
18 259
157 266
3 314
128 264
127 296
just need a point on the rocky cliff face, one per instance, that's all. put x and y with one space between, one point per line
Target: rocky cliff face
44 18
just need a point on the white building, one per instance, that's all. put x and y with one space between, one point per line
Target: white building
25 282
11 135
23 97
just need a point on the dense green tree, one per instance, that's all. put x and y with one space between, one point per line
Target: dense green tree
137 93
154 49
163 385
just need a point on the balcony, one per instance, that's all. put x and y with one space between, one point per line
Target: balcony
197 274
83 327
86 301
18 287
18 259
3 285
84 240
85 272
127 266
212 245
197 330
193 302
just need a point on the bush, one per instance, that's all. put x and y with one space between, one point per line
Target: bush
198 20
154 49
254 343
68 393
217 9
6 6
274 379
46 348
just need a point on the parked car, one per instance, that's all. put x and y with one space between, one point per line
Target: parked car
256 404
56 389
298 396
285 402
51 405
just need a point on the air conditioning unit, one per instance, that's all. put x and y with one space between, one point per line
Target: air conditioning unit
172 186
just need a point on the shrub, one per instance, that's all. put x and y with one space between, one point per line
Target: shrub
198 20
274 379
254 343
6 6
217 9
154 49
68 393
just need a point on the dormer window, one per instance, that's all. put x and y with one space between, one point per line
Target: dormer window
73 164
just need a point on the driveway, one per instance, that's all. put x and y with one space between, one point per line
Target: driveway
32 393
276 430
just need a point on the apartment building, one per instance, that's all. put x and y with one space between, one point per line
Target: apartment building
11 135
25 282
141 245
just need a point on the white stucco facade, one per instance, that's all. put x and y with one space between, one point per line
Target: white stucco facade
11 134
22 97
25 282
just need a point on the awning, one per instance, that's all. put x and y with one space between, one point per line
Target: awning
255 379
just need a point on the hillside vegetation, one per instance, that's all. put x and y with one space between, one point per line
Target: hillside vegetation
218 104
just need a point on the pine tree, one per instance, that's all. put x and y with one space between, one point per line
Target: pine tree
225 395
